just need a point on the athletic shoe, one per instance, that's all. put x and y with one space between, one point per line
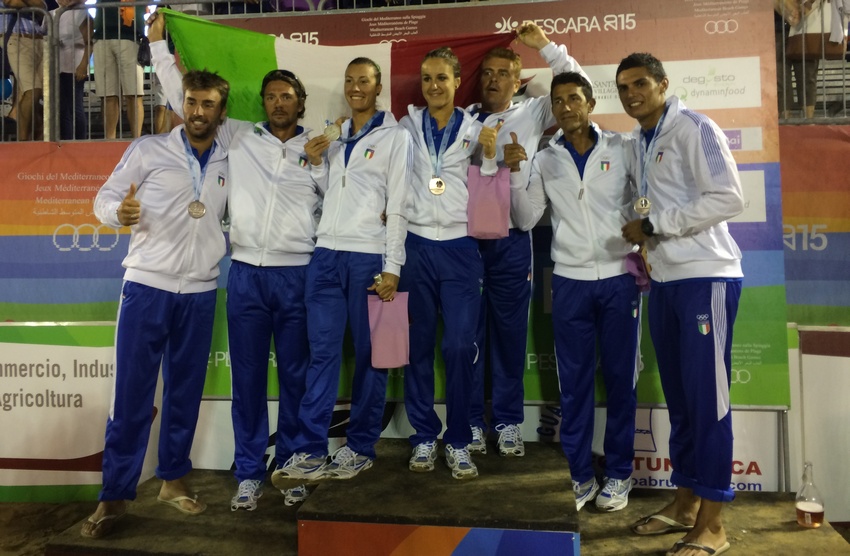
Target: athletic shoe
423 457
510 440
615 495
294 495
301 466
346 463
479 442
460 463
247 495
585 492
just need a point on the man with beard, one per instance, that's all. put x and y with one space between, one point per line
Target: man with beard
171 191
273 207
585 174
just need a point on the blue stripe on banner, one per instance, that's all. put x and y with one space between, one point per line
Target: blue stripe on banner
817 256
80 255
69 290
763 268
828 293
762 235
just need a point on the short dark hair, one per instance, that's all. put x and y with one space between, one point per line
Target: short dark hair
505 54
364 61
287 77
204 80
445 53
643 60
572 77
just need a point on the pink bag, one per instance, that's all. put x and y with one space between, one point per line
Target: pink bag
390 329
489 207
636 266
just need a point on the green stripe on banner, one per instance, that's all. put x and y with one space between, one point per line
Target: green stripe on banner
50 493
84 335
819 315
793 338
249 56
64 312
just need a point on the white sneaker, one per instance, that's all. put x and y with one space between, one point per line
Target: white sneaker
479 442
615 495
301 466
294 495
246 495
460 463
510 440
585 492
423 457
346 463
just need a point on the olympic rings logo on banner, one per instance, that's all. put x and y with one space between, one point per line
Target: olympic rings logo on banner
721 27
85 237
740 376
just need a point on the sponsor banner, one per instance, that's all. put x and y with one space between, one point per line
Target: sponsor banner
816 223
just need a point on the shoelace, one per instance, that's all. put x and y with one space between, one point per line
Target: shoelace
508 434
247 489
344 455
461 456
295 459
476 435
613 486
423 451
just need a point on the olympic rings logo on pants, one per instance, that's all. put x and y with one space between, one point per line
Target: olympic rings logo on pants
721 27
85 237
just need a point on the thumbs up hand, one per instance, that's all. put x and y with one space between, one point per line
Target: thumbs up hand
514 153
487 139
130 208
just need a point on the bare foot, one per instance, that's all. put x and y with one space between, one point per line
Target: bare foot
176 494
715 540
101 522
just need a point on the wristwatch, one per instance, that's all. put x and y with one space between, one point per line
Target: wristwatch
646 227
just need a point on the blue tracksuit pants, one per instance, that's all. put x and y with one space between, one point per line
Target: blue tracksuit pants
154 328
587 314
691 322
337 283
503 329
265 303
443 277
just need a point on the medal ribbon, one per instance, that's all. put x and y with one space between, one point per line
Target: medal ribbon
644 150
195 169
437 156
373 121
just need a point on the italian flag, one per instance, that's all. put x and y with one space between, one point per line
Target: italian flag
244 57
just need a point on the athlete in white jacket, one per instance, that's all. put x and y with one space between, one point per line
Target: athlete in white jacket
503 323
688 186
273 207
586 175
367 179
172 191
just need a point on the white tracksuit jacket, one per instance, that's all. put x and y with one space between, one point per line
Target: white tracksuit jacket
375 180
274 201
587 213
442 217
169 249
530 118
694 187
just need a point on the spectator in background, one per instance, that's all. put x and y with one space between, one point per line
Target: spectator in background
115 68
75 46
22 34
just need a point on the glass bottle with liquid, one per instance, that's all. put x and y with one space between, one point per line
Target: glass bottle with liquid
809 501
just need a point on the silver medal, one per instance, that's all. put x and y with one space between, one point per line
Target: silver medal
437 186
642 206
332 132
197 209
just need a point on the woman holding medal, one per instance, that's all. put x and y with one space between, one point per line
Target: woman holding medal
366 172
444 269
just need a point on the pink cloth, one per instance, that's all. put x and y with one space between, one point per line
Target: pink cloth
489 207
636 266
390 331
